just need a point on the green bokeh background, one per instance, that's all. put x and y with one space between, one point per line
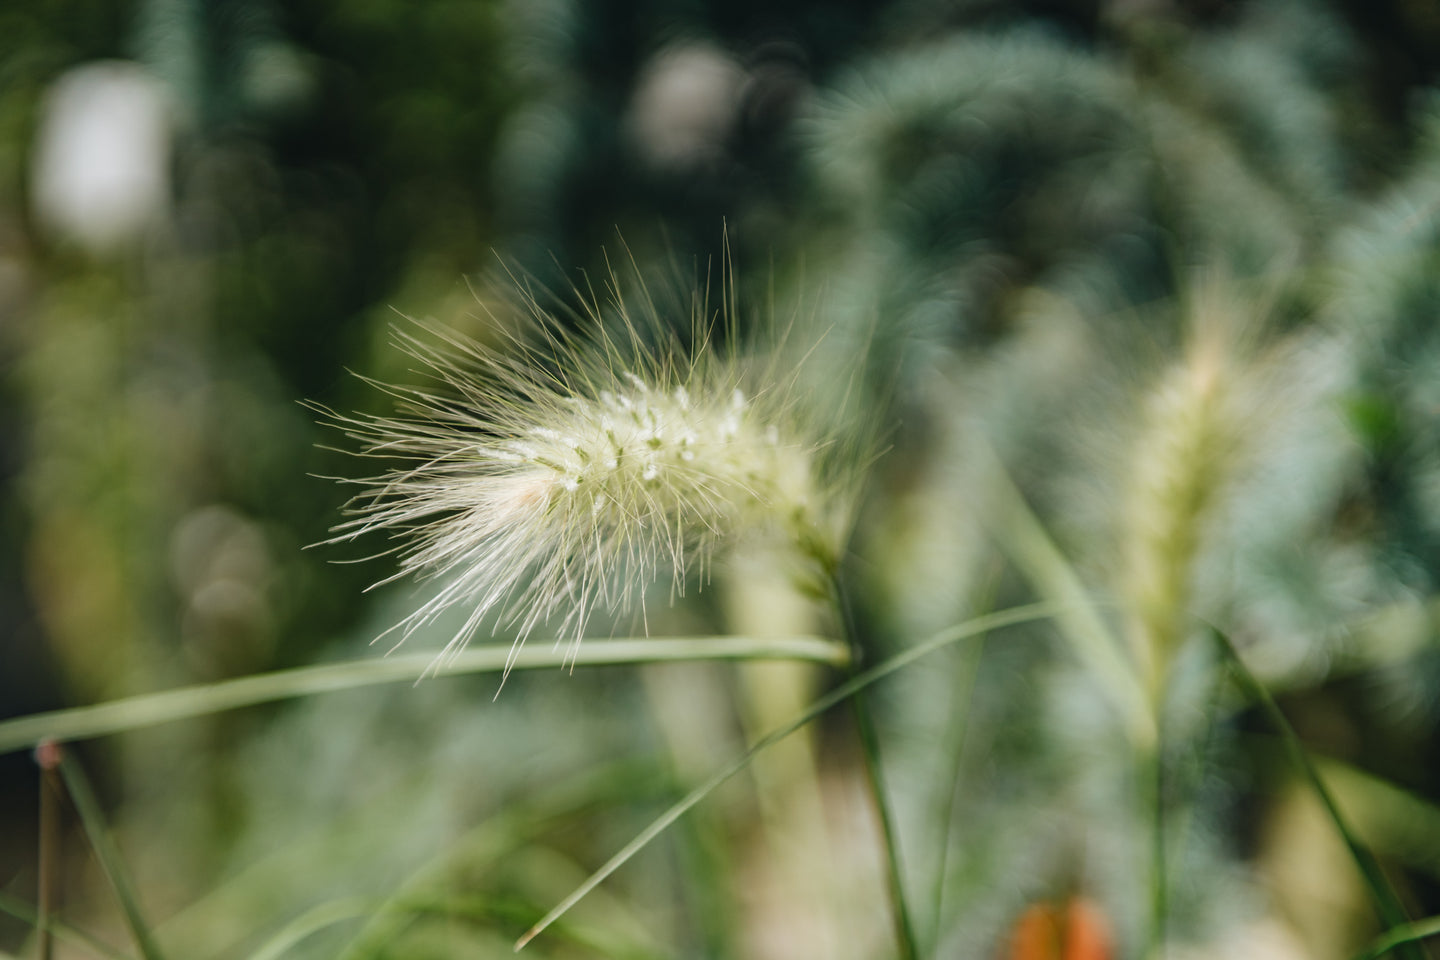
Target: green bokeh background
1004 208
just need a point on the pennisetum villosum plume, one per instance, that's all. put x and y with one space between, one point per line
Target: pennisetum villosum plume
564 473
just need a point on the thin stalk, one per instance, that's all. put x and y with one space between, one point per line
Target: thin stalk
959 727
979 625
1022 537
25 913
1182 779
130 713
1159 877
1387 902
874 776
957 732
47 756
91 817
1186 781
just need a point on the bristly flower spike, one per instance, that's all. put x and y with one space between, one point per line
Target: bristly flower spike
561 475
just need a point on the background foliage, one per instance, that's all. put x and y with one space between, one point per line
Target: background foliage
1174 263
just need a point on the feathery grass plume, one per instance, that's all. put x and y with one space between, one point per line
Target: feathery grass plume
565 473
1192 434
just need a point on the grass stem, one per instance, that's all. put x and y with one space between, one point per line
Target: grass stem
1159 876
874 776
962 631
22 911
1022 537
131 713
1387 902
111 863
966 673
47 756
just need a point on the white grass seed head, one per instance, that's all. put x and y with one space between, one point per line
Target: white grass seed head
564 474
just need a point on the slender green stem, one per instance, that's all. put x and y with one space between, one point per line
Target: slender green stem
1178 779
1159 877
957 731
1387 902
1022 537
874 776
93 819
980 626
870 748
966 675
183 703
48 758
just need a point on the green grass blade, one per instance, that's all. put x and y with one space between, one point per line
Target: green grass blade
311 921
111 863
875 777
1400 936
149 709
978 626
502 835
21 910
1387 903
957 730
1159 875
1023 539
894 871
1405 825
945 815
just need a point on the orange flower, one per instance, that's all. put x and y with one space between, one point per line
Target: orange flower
1075 930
